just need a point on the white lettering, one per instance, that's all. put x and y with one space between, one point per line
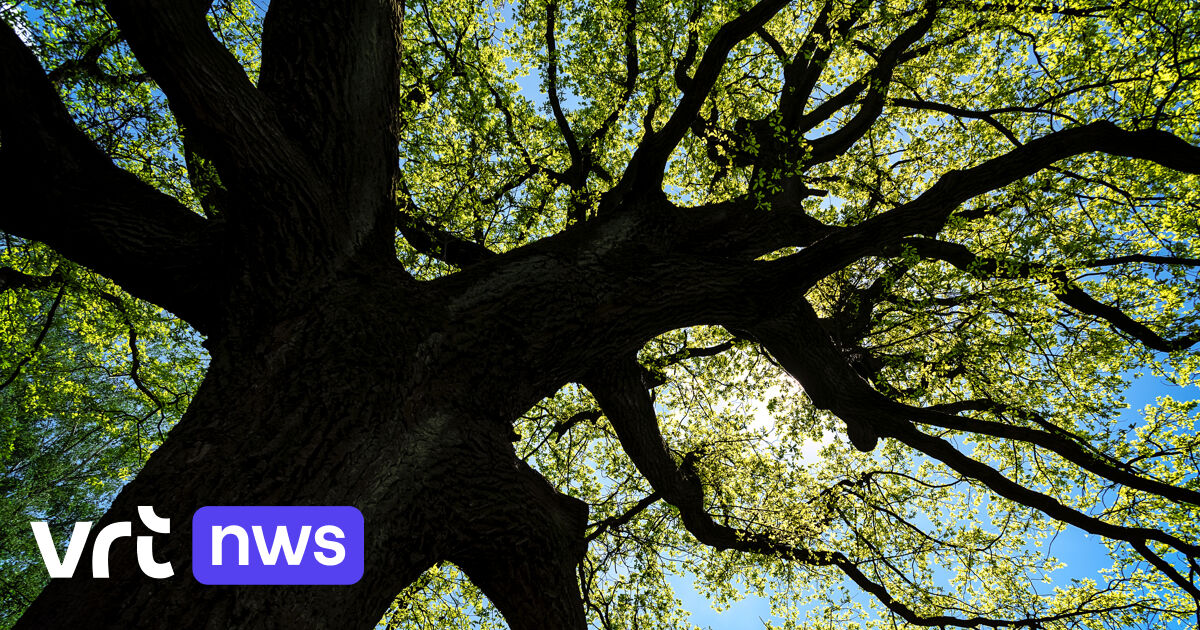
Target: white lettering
282 541
70 560
104 541
338 549
219 533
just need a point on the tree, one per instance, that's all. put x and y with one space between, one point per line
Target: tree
524 334
93 386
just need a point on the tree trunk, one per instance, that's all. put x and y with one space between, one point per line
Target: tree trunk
351 403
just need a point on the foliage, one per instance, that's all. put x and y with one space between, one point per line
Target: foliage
93 378
992 76
92 381
1026 314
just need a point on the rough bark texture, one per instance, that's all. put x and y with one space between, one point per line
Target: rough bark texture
337 379
351 404
334 380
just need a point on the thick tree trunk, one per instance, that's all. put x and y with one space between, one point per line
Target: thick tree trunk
349 404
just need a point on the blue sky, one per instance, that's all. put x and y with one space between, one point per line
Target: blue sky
1084 555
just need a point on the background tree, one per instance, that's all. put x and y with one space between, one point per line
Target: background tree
91 382
809 299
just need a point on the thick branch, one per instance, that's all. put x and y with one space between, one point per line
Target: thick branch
65 192
1062 287
622 393
647 164
1143 258
300 209
807 353
1063 447
879 79
332 69
944 452
88 65
208 91
1077 298
516 537
12 279
631 412
804 71
929 211
440 244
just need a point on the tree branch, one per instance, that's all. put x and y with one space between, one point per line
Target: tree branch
928 212
37 343
12 279
627 87
1062 287
631 412
623 518
437 243
62 190
988 116
807 353
332 68
135 355
1096 463
944 452
208 91
878 80
648 162
305 201
804 71
516 537
88 65
1143 258
575 173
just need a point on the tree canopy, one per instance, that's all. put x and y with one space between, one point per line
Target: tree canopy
836 303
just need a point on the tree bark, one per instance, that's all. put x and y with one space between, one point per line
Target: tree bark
351 403
338 379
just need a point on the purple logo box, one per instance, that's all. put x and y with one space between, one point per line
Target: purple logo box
246 544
